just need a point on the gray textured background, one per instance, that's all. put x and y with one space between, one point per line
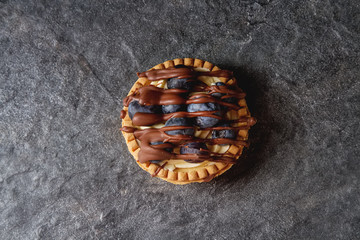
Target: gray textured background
65 172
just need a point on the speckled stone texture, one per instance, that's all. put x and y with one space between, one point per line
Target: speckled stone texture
65 172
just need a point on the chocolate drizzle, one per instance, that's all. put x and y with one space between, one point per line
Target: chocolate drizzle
122 114
151 95
158 170
158 74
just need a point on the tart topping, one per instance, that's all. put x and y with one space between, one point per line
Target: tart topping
182 72
135 107
184 122
187 106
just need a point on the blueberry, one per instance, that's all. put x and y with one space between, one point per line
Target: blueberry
226 133
205 122
179 122
217 94
193 148
166 149
180 66
172 108
180 83
155 161
135 107
232 100
158 143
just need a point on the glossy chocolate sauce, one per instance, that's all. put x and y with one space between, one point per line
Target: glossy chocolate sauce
158 74
151 95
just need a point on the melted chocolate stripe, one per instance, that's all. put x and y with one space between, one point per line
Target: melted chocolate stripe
158 74
150 152
158 170
196 158
151 95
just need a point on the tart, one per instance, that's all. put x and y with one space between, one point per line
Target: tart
186 120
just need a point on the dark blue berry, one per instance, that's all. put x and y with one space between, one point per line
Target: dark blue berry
205 122
232 100
217 94
179 122
135 107
179 83
180 66
155 161
172 108
158 143
193 148
226 133
182 83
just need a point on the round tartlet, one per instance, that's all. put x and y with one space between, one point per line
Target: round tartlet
196 172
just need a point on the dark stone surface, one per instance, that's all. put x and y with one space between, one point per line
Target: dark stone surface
65 172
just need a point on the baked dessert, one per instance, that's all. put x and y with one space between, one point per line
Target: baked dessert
185 121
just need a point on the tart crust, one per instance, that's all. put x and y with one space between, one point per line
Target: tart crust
186 175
